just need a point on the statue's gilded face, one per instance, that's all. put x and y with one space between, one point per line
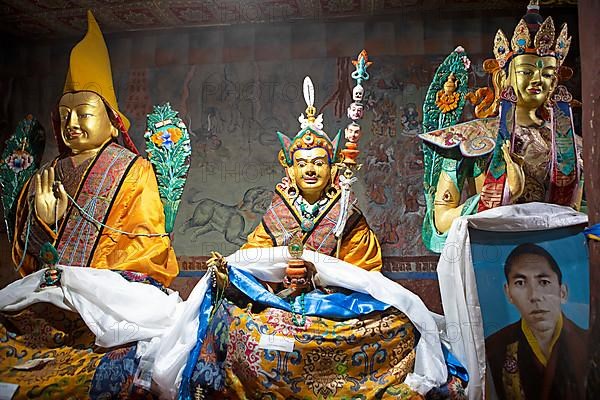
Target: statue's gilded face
533 78
311 171
85 124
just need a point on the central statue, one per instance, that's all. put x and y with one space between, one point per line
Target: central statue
284 318
306 205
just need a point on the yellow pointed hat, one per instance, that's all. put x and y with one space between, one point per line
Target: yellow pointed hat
89 68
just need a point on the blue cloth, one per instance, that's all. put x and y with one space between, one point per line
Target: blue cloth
592 230
455 368
336 305
204 315
110 379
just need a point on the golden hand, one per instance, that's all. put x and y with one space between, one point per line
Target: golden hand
514 172
50 206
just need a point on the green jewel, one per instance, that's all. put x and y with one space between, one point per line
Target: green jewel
313 213
48 254
51 277
302 312
296 248
341 368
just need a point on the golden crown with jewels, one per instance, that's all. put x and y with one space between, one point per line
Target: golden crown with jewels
544 42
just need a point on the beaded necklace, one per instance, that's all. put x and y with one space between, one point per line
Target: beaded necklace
309 212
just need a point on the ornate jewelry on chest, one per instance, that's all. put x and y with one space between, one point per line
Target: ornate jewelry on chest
309 212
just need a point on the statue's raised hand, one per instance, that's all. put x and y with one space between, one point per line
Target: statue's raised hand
50 200
515 174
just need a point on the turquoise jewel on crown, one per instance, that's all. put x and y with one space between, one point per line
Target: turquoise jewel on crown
521 42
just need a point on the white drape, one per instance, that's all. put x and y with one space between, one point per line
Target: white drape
268 264
115 310
120 312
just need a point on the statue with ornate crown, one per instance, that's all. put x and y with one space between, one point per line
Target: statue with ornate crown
523 146
91 244
300 311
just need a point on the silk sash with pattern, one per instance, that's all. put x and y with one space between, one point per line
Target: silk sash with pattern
282 223
79 235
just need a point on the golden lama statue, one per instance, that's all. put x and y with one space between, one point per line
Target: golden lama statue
96 205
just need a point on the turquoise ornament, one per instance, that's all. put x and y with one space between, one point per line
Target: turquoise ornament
169 151
20 160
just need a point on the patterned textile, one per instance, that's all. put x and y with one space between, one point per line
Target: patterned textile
75 367
466 136
141 277
282 222
534 145
78 237
366 357
114 376
454 389
550 161
43 331
135 207
565 172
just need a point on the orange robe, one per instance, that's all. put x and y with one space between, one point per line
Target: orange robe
136 207
46 331
359 244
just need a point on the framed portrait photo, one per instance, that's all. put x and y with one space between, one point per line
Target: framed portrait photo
534 294
515 288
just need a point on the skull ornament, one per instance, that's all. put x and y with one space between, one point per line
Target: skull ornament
358 93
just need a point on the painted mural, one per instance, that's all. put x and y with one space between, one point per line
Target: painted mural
235 88
233 112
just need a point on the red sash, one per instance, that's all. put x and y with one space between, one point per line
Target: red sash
282 223
78 236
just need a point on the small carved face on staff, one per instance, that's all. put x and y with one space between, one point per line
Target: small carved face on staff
353 133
